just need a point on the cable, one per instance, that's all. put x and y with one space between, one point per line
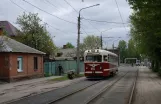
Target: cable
43 21
78 12
18 5
104 21
49 13
52 5
120 14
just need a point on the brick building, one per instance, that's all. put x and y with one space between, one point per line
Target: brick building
19 61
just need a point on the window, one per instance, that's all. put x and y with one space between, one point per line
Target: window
105 58
19 64
96 58
35 63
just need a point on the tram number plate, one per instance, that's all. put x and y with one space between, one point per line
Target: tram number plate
92 68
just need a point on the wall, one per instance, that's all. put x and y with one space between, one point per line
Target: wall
28 65
4 65
51 68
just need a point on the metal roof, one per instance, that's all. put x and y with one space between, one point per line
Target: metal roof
10 45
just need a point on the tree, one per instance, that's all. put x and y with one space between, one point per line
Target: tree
34 34
123 50
91 42
145 28
69 45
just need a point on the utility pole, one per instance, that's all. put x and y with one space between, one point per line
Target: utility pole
78 44
101 42
78 41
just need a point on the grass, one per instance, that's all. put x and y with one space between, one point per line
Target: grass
63 78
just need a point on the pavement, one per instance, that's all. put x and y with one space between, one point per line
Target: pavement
16 90
148 87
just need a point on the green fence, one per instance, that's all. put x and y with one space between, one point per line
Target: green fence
51 68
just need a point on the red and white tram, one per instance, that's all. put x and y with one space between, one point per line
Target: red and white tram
100 63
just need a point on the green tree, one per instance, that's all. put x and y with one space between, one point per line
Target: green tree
123 50
91 42
145 28
34 33
69 45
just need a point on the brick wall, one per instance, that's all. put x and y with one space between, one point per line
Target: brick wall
8 70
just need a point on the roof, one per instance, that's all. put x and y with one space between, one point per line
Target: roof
69 52
10 45
101 52
9 28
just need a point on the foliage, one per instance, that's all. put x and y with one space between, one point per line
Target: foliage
128 50
69 45
34 34
92 42
146 29
123 50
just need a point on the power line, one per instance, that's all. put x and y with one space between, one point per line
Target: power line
78 12
43 21
18 5
104 21
120 13
52 5
49 13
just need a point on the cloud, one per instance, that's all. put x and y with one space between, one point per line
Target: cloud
67 32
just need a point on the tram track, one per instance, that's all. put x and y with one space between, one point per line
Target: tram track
89 101
106 88
93 85
133 88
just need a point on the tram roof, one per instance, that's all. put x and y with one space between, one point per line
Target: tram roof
105 52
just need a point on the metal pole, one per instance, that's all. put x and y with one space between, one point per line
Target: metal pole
101 41
78 44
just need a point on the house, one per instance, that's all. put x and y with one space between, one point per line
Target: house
19 61
8 28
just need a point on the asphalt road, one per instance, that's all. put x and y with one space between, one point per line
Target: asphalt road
120 92
117 92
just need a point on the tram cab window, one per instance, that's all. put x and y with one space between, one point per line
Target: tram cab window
105 58
94 58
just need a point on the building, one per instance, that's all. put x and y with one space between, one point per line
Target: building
8 28
19 61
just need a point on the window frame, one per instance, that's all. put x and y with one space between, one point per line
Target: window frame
20 66
35 63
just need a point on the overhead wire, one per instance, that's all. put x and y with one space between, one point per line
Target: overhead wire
82 16
43 21
104 21
120 14
49 13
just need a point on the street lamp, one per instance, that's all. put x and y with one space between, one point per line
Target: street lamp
115 41
78 40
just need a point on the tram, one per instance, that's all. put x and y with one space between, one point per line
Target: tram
100 63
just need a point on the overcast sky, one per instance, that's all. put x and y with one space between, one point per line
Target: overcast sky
67 32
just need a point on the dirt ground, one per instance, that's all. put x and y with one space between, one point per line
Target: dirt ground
13 91
148 88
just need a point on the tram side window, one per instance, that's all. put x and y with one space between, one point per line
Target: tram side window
105 58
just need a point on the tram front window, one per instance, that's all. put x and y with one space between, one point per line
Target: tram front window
96 58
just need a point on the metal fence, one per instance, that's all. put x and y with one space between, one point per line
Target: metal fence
51 68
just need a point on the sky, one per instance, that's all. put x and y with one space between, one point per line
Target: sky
61 18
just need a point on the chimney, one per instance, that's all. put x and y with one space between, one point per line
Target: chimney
64 46
1 31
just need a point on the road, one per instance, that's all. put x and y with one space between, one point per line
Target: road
84 90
